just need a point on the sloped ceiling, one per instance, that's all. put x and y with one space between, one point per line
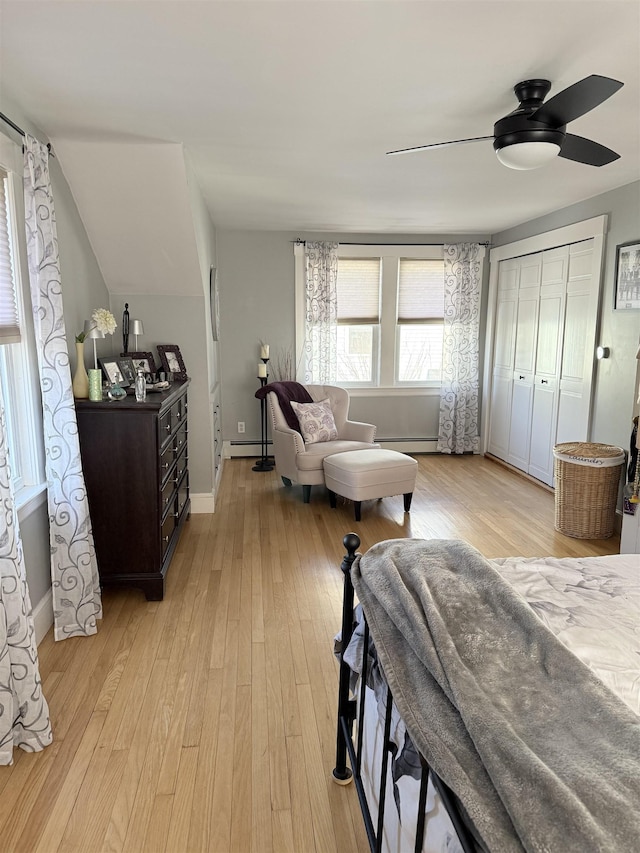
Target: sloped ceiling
286 109
134 202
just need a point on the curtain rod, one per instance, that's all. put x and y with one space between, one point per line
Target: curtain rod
300 242
21 131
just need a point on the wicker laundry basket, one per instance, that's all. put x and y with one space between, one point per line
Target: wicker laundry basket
587 478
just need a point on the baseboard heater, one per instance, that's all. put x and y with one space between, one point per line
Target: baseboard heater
403 445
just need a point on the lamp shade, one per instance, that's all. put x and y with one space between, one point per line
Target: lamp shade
136 327
91 331
527 155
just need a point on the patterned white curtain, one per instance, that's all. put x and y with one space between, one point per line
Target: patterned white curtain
74 572
458 429
24 714
321 312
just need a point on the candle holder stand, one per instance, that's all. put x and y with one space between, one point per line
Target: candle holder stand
264 463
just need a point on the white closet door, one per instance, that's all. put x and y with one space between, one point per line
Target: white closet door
576 376
502 377
555 265
524 360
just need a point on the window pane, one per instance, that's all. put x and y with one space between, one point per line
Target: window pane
420 352
355 353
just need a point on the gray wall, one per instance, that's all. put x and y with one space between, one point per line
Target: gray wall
178 320
257 302
619 330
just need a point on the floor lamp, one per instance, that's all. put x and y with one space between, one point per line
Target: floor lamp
264 463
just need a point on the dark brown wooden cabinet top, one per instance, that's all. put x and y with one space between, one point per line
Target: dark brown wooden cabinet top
135 463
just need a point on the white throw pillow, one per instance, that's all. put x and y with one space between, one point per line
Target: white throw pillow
316 421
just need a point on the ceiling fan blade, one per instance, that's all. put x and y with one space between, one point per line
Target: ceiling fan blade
586 151
438 145
576 100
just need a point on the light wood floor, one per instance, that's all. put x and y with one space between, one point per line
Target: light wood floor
207 721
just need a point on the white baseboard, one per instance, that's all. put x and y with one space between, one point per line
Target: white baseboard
202 503
43 616
234 449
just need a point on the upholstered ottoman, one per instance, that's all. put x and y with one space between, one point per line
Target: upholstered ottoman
362 475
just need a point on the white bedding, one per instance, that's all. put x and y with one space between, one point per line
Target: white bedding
592 605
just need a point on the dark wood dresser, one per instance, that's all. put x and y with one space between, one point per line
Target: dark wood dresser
135 458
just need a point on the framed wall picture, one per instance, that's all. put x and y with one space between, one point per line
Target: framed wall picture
628 276
145 360
112 370
171 360
214 303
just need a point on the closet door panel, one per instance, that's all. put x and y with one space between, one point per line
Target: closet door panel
524 361
543 430
500 416
520 423
502 375
576 375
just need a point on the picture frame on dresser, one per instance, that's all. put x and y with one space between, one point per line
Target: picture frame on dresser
127 370
172 361
145 360
112 370
627 276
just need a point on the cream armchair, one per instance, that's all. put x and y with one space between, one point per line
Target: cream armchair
302 463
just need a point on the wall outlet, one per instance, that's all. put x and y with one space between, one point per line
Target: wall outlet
240 426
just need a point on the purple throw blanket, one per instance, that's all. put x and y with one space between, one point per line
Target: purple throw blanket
286 392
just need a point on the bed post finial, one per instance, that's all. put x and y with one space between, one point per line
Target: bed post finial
346 709
351 542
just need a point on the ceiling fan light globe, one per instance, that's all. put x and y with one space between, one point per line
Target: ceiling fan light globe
527 155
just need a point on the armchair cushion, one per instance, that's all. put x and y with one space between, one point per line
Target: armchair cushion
316 421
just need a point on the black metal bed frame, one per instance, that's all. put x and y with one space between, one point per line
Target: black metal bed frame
347 711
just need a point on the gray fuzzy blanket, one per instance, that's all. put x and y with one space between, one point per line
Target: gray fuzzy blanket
541 754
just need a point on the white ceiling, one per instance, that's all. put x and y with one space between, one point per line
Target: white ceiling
285 109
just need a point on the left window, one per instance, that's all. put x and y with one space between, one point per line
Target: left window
18 368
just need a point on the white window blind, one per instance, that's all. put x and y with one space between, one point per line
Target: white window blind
358 291
9 325
420 291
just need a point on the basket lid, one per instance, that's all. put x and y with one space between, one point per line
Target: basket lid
589 453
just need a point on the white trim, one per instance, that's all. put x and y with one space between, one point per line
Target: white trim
29 498
299 283
43 616
594 228
202 503
551 239
394 391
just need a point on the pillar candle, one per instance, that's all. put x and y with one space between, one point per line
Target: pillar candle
262 371
264 351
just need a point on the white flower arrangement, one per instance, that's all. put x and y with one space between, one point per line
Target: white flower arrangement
103 321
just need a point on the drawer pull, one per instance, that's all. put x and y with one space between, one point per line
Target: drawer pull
166 466
168 427
520 377
178 415
166 538
544 381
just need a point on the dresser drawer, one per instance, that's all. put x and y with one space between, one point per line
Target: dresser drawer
168 527
167 494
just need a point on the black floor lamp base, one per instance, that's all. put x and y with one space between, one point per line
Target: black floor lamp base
263 465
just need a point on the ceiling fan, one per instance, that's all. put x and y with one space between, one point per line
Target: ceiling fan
534 133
